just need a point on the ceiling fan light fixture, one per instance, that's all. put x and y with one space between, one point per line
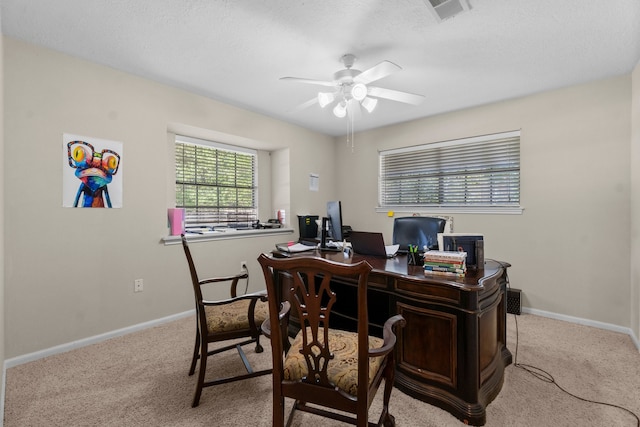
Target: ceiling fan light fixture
351 90
325 98
340 110
359 91
369 104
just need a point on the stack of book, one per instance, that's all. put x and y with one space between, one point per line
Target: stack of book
445 263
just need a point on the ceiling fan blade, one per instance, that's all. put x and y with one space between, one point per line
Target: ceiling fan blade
304 105
309 81
395 95
377 72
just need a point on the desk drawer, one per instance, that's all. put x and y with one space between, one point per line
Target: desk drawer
378 281
428 292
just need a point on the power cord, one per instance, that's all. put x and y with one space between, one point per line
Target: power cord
543 375
246 288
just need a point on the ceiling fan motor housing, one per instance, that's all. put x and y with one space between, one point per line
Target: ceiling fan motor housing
345 76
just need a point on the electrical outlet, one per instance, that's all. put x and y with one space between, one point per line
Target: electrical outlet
138 285
243 265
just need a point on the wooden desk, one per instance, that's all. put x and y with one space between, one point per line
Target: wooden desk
452 353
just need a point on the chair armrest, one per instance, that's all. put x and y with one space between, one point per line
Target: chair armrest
283 314
233 279
224 279
260 295
388 335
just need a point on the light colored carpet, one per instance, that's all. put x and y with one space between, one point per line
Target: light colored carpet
141 380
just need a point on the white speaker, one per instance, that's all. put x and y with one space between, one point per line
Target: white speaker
445 9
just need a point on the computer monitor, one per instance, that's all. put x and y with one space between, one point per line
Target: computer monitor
334 213
417 230
472 244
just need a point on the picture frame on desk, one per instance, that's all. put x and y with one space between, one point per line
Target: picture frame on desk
471 243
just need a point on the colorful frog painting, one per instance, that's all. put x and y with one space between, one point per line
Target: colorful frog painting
95 170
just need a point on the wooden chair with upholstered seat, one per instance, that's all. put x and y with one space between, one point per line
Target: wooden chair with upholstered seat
325 369
239 316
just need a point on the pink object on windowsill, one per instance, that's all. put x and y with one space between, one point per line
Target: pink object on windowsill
176 221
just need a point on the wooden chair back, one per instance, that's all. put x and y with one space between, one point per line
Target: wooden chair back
307 282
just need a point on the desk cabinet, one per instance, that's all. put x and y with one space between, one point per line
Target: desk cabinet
452 351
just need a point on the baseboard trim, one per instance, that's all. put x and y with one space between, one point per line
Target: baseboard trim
19 360
30 357
586 322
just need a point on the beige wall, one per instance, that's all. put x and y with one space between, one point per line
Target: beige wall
635 201
570 247
75 267
70 272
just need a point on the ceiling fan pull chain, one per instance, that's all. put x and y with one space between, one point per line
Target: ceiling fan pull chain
350 120
348 132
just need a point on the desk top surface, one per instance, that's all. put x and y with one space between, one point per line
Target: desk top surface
398 267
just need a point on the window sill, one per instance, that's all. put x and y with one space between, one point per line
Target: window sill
223 235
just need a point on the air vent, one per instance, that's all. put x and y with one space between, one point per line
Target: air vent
445 9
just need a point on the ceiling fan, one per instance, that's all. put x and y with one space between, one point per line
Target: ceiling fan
351 90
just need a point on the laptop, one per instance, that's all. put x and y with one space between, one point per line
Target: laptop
369 243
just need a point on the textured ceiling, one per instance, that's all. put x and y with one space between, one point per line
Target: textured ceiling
235 51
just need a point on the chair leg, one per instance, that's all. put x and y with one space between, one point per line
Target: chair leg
387 419
259 348
278 410
203 369
192 369
362 419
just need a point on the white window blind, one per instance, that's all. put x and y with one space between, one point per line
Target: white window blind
215 183
472 172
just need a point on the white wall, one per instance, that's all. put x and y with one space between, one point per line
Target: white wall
70 272
635 201
569 250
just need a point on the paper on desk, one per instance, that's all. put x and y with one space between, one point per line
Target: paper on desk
391 249
296 247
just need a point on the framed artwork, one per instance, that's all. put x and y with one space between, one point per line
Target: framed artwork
91 172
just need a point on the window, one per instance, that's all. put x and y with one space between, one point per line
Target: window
471 174
215 183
